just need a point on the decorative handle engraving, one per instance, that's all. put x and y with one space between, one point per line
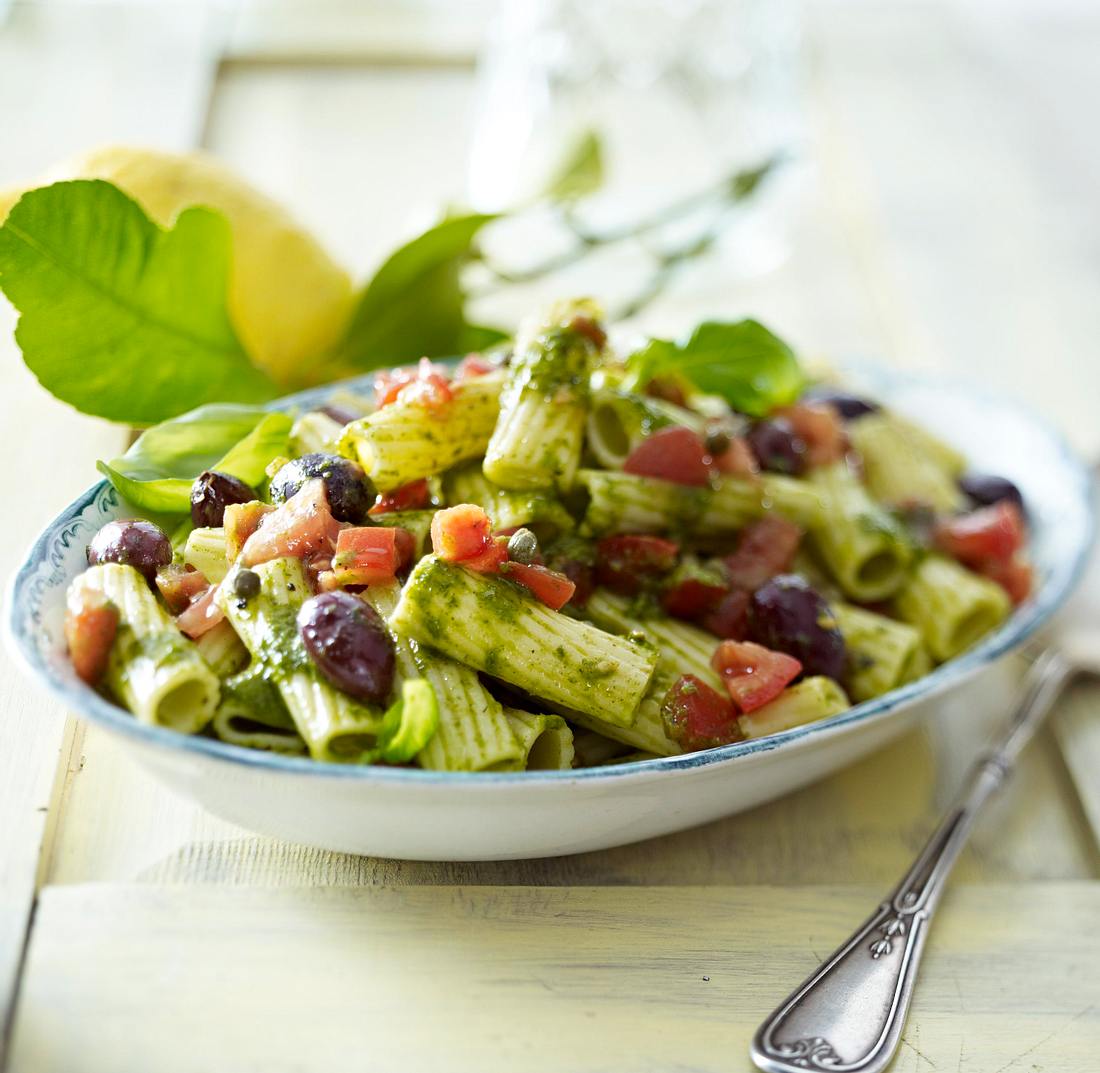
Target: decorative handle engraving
848 1016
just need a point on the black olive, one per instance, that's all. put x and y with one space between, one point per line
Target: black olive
788 615
349 643
212 492
349 493
139 544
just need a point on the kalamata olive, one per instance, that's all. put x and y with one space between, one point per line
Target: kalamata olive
778 449
212 492
523 546
986 489
347 489
139 544
246 584
349 644
847 405
788 615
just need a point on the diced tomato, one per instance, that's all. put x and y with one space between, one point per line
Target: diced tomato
698 717
692 598
179 585
413 496
754 675
671 454
427 386
461 532
553 589
406 547
819 426
737 460
203 614
490 559
91 623
473 365
302 526
766 548
365 555
993 533
625 562
241 521
730 618
1014 576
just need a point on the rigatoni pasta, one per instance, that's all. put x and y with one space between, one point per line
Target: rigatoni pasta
553 556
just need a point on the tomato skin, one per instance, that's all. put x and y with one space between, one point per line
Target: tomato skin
698 717
671 454
473 365
427 386
179 586
241 521
819 426
737 460
461 532
365 555
625 562
413 496
553 589
692 598
406 548
91 624
301 527
1015 576
729 620
993 533
754 675
489 560
766 548
201 615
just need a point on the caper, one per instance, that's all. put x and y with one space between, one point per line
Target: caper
246 583
717 443
523 547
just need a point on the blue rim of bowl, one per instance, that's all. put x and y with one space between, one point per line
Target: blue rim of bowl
1018 628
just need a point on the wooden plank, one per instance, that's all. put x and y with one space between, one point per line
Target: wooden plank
91 75
123 979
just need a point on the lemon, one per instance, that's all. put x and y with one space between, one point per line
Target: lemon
288 300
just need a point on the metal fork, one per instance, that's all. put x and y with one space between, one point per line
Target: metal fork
847 1017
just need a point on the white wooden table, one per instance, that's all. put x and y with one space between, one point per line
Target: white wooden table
954 226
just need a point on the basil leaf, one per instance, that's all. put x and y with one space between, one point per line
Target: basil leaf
580 173
415 306
119 317
157 472
409 724
752 369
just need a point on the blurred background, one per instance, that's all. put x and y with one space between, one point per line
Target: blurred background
931 201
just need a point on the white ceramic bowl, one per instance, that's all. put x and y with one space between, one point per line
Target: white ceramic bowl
393 812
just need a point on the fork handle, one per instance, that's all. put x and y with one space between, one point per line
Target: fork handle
848 1016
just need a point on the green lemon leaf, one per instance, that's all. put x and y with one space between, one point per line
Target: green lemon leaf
581 171
752 369
119 317
414 306
157 472
409 724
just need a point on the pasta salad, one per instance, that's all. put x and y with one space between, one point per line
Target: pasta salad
547 557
